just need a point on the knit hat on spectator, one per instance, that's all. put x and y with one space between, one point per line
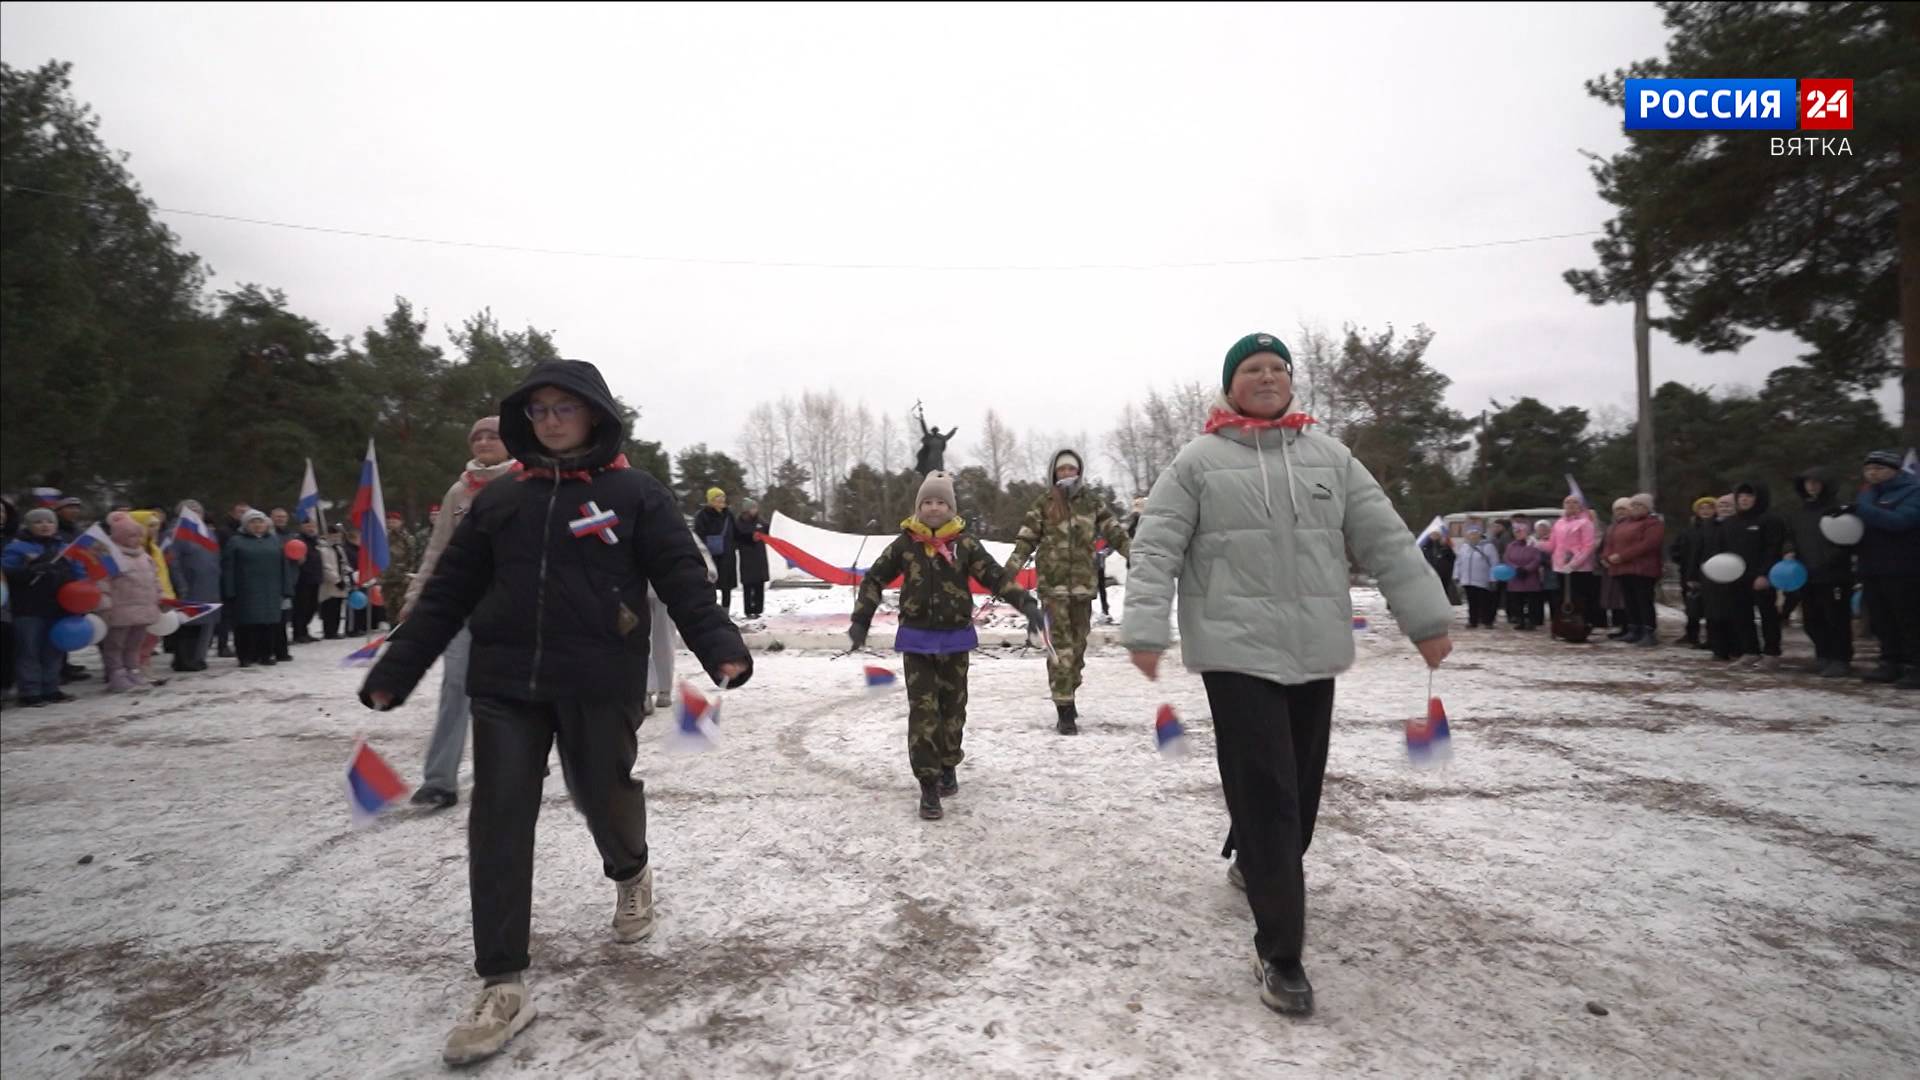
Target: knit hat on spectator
39 514
1889 458
485 423
1247 346
937 485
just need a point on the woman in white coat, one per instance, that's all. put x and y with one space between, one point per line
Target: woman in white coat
1253 523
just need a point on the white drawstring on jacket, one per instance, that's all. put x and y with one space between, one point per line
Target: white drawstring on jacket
1266 482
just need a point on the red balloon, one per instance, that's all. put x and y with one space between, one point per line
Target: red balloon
295 550
79 597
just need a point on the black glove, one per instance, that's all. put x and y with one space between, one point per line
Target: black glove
857 633
1031 609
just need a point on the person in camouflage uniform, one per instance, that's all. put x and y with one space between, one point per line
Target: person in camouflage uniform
1062 527
934 557
402 557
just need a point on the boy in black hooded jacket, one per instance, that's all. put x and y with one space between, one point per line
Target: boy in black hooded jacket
1829 588
549 571
1760 538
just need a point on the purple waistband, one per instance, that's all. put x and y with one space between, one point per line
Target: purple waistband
914 639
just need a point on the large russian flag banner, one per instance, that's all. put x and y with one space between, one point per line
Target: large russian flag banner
369 515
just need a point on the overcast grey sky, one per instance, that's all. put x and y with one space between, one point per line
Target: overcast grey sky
1007 136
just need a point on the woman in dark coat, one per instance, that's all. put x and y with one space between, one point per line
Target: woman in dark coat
256 576
747 531
196 577
716 529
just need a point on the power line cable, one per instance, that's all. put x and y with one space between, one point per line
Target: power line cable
781 264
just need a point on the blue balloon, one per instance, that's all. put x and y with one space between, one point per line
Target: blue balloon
1503 572
357 599
71 634
1788 575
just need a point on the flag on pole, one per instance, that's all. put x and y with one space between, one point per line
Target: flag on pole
190 611
1573 489
93 550
308 508
1429 741
369 515
1168 733
696 727
191 529
365 654
372 785
47 497
879 678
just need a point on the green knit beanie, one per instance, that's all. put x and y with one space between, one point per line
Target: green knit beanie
1247 346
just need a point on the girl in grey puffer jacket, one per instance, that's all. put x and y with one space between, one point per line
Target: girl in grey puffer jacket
1253 524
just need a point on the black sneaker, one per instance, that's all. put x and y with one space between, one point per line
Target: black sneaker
1836 669
929 800
30 701
434 797
225 653
56 698
1284 987
1068 716
1885 673
1909 681
949 782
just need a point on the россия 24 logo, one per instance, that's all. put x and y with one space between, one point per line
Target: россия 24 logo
1739 104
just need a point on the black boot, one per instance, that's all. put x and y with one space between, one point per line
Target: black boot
949 782
1621 634
1885 673
929 800
1068 714
1284 987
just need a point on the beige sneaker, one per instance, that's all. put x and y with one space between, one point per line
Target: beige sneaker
499 1013
633 907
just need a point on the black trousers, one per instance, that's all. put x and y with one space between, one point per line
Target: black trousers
1766 603
1893 613
190 646
753 599
306 601
726 598
1586 594
1479 606
379 616
1272 746
1827 619
279 632
1526 609
330 616
1103 597
511 740
1696 611
1639 594
253 644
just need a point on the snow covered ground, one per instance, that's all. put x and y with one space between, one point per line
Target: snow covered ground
1727 864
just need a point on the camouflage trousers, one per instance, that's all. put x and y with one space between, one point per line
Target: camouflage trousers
1072 623
936 711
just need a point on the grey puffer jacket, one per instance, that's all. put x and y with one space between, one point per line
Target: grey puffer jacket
1255 526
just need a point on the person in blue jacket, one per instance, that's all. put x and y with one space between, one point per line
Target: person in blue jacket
1889 557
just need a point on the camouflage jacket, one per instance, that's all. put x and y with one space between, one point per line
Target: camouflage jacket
933 591
1065 548
400 565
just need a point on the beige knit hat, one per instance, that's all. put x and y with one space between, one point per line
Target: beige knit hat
937 485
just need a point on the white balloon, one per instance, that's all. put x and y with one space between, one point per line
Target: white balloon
1845 530
99 626
167 623
1724 568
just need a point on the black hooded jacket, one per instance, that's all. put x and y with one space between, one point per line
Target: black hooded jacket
1757 535
1827 563
557 616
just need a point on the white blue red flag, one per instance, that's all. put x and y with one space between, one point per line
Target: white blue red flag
1168 733
696 722
308 508
93 550
1573 489
879 678
189 528
1429 743
190 611
372 785
365 654
369 515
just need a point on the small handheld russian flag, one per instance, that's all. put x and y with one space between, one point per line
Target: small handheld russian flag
364 655
1168 733
696 722
190 611
372 785
1359 623
1046 635
879 678
1429 743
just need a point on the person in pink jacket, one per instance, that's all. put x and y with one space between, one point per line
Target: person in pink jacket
1573 543
134 599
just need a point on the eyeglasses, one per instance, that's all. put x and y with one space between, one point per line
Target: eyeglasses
563 412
